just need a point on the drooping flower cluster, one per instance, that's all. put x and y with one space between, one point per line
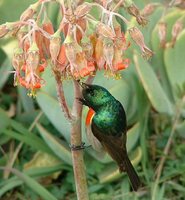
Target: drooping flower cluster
89 44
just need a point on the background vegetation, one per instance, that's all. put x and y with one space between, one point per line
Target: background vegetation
34 134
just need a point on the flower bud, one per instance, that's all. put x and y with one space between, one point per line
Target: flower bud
48 27
33 57
39 41
29 12
17 62
138 38
3 30
162 31
55 46
99 53
7 27
87 47
105 30
70 49
62 60
108 52
134 11
18 58
82 10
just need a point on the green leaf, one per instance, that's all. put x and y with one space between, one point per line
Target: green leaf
34 173
59 148
181 128
29 139
12 9
174 62
5 69
133 136
52 110
158 59
5 121
152 86
33 184
27 102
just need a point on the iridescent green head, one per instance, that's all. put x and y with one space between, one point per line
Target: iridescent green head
95 96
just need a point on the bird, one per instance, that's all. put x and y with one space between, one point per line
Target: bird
109 127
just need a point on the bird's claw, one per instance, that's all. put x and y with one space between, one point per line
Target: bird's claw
78 147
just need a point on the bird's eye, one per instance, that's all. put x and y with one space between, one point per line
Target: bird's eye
91 92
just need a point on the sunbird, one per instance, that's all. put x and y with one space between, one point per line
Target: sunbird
109 126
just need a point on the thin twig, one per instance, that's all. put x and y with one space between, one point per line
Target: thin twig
61 96
117 5
90 79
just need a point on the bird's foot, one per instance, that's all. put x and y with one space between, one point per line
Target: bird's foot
78 147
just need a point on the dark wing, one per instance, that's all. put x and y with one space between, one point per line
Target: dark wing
116 148
114 145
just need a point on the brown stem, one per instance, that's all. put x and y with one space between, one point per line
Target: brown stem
61 97
76 140
90 79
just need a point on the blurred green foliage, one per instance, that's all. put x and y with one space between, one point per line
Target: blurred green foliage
151 92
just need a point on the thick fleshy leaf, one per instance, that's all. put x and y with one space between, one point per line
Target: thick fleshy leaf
26 101
5 69
8 6
34 185
152 86
112 173
32 140
60 149
52 110
174 62
41 160
5 121
132 136
14 181
158 59
181 128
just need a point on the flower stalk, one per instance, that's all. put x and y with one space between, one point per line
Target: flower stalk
76 141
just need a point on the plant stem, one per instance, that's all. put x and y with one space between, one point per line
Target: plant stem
61 97
76 140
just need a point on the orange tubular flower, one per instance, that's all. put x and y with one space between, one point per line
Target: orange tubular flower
39 40
55 46
48 27
32 69
62 60
99 54
17 62
81 63
3 30
108 53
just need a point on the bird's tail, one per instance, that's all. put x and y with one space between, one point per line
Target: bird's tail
129 169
